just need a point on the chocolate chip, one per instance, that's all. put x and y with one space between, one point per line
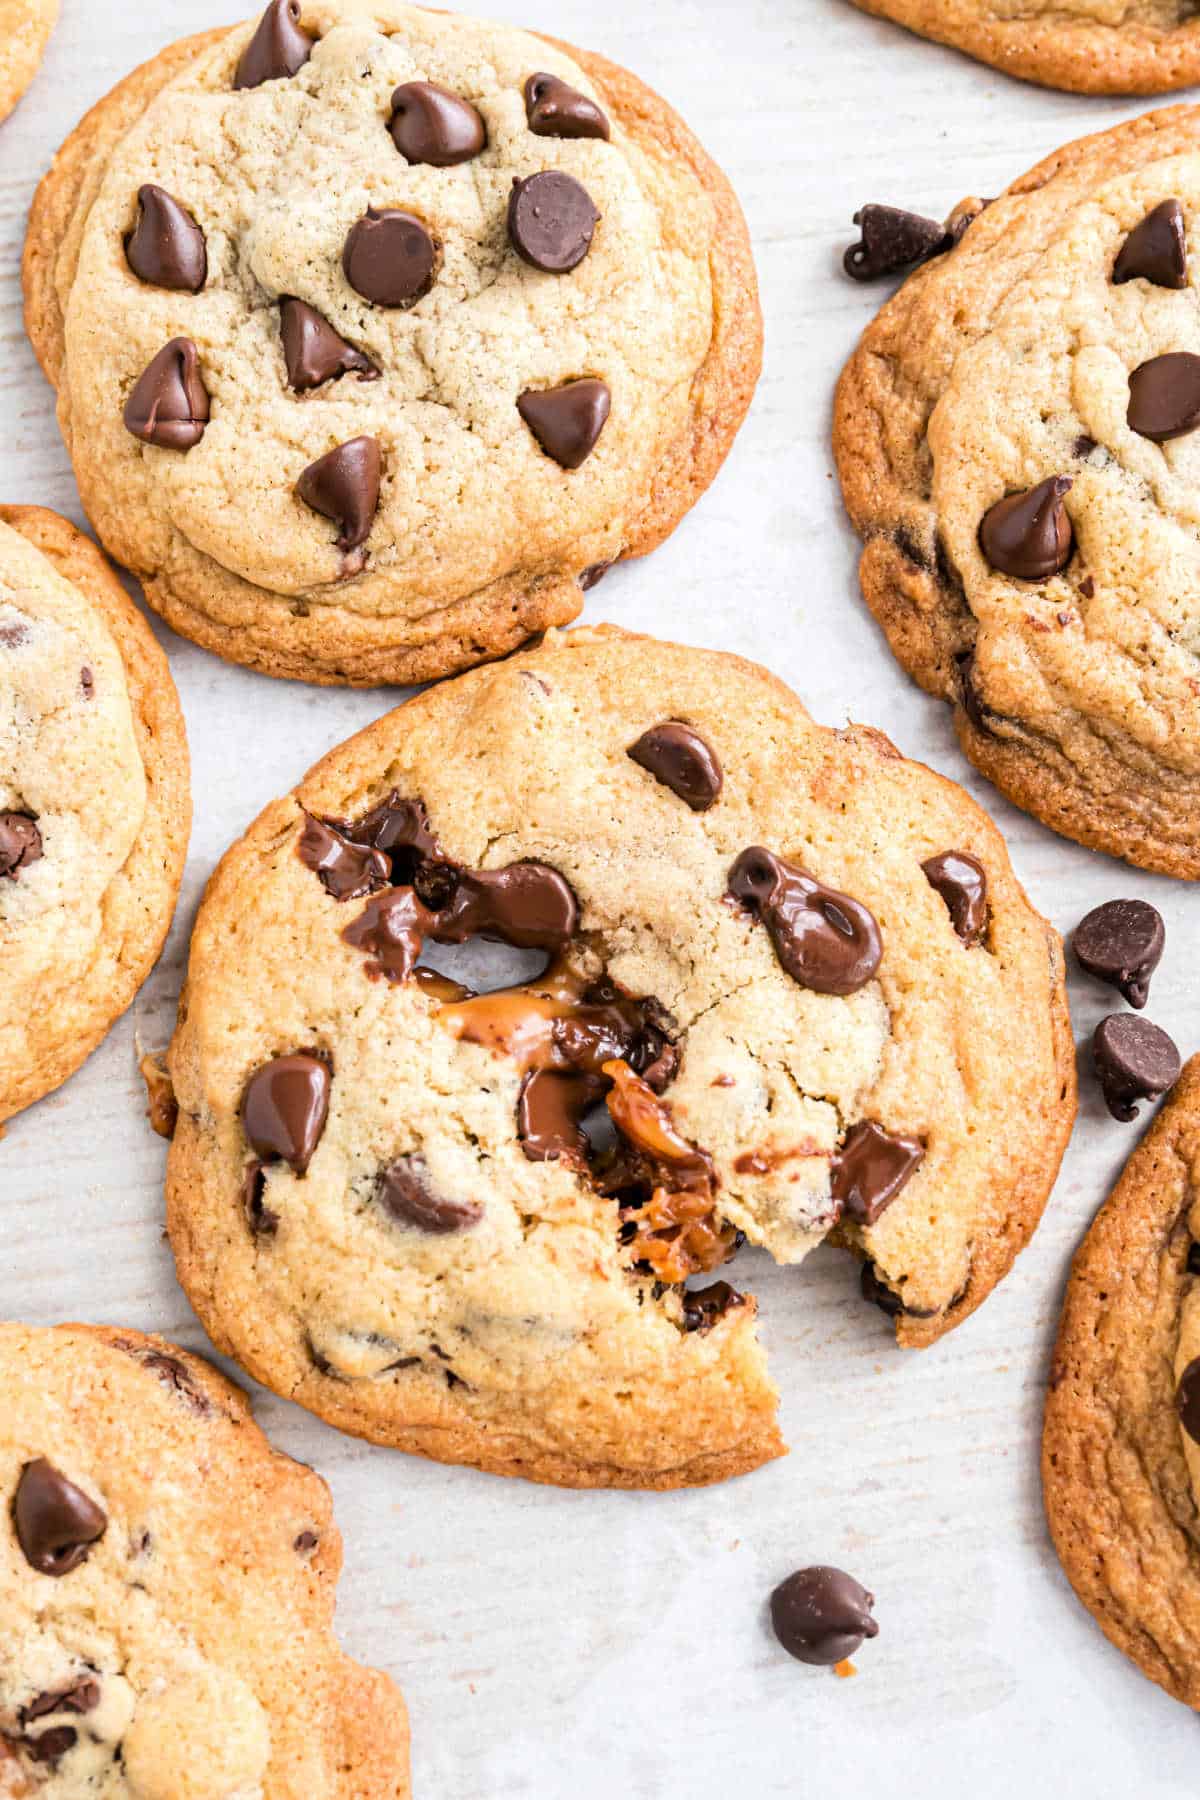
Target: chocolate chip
1193 1259
313 351
408 1194
169 402
343 486
20 843
593 575
87 682
12 636
1164 397
892 239
1134 1061
870 1169
962 883
550 1110
526 904
262 1220
1156 249
84 1697
391 929
821 1615
678 756
285 1107
879 1294
389 257
278 48
166 247
567 421
53 1745
170 1371
705 1307
555 109
1028 535
305 1541
429 124
1187 1400
56 1522
825 940
551 221
1083 445
1122 943
346 870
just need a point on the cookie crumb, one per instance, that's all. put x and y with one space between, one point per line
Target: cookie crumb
162 1108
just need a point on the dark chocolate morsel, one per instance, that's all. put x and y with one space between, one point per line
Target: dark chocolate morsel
391 929
891 240
961 880
550 1110
705 1307
878 1293
1193 1259
84 1697
262 1219
527 904
593 575
51 1746
825 940
555 109
870 1169
429 124
1121 943
1134 1061
389 257
168 405
312 350
1187 1400
166 247
551 221
168 1369
1156 249
278 48
678 757
284 1109
20 843
567 421
343 486
1028 535
345 869
408 1194
1164 397
821 1615
56 1522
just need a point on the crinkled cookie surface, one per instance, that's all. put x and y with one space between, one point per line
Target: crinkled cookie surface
465 1225
167 1587
437 323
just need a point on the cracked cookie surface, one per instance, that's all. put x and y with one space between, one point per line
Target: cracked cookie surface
1087 46
463 1223
1033 354
167 1587
334 266
94 801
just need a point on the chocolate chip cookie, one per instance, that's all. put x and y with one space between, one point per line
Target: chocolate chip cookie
379 333
25 27
1121 1452
507 1026
167 1587
94 801
1017 442
1086 46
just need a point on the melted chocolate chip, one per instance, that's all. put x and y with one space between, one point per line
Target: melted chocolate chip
344 486
1134 1061
262 1219
166 247
305 1542
527 904
555 109
825 940
84 1697
593 575
870 1169
278 48
878 1293
169 402
284 1109
408 1194
705 1307
680 758
391 929
1193 1259
893 239
1028 535
1187 1400
56 1522
53 1745
20 843
1121 943
313 351
389 257
821 1615
962 882
429 124
170 1371
567 421
346 870
1164 397
1155 250
551 221
550 1112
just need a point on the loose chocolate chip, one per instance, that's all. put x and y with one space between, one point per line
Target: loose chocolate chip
278 48
567 421
56 1522
1028 535
705 1307
1134 1060
1164 397
1156 249
550 1110
821 1615
593 575
962 883
52 1746
893 239
1122 943
527 904
678 756
408 1194
1187 1400
166 247
313 351
555 109
429 124
389 257
870 1169
285 1107
84 1697
346 870
169 402
20 844
262 1219
825 940
551 221
343 486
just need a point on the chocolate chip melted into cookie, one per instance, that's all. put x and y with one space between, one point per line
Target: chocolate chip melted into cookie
56 1522
20 843
825 940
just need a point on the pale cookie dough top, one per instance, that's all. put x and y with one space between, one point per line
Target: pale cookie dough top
275 176
166 1592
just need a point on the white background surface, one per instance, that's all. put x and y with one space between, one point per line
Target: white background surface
556 1643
